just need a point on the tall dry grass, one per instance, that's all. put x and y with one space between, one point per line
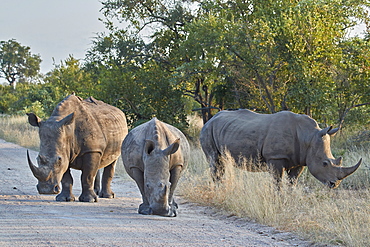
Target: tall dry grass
322 215
16 129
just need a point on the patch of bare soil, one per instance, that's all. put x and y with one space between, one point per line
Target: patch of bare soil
30 219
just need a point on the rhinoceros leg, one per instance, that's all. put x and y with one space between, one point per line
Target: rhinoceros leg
97 182
175 176
294 174
138 176
216 166
67 183
89 169
106 191
277 169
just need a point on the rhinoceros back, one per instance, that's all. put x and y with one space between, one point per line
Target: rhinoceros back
247 134
133 145
98 127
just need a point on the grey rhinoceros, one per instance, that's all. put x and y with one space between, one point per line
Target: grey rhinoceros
81 134
155 154
283 141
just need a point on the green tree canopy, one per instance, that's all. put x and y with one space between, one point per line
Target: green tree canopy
17 62
264 55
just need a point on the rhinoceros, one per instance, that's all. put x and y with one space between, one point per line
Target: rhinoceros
155 154
81 134
283 142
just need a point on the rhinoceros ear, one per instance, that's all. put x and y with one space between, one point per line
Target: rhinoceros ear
325 131
332 132
33 119
67 120
329 130
172 148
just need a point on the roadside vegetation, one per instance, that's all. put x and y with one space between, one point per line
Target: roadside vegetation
16 129
324 216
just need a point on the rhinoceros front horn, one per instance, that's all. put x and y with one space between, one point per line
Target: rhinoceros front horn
39 173
346 171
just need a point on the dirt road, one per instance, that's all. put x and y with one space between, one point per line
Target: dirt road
30 219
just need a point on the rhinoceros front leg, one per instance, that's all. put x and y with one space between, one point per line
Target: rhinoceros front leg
294 174
277 169
175 174
89 169
106 191
67 184
138 176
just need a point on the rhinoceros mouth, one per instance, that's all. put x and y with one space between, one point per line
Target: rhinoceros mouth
165 213
333 185
49 190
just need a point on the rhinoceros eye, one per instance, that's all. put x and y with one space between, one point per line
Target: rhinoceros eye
325 163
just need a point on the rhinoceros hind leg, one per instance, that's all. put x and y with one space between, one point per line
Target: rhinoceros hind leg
97 182
145 209
106 191
217 169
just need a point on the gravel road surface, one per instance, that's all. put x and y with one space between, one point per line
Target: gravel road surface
30 219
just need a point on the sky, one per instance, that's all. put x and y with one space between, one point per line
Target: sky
51 28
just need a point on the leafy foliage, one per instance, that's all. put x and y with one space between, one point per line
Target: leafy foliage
17 63
164 58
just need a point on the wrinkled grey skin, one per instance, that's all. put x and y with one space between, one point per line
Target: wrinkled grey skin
81 134
285 141
155 154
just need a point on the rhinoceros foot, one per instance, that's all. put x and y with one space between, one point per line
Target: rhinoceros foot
109 195
88 197
173 211
145 209
64 197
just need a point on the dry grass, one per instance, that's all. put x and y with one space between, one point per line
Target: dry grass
16 129
340 216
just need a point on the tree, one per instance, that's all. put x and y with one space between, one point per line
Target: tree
17 63
352 75
265 55
69 76
129 78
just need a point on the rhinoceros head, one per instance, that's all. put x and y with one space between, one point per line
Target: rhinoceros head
53 158
157 177
321 163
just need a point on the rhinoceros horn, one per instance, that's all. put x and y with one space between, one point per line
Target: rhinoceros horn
346 171
40 174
